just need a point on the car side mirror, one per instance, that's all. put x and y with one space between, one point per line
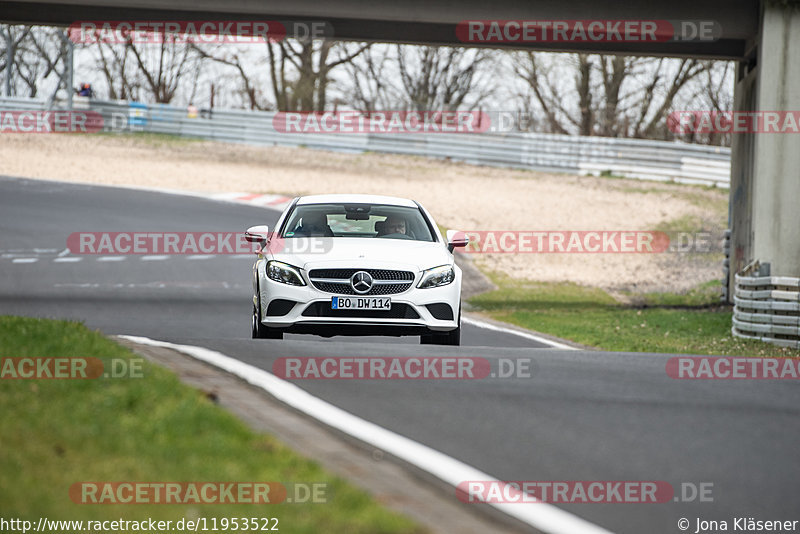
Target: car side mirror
257 234
456 239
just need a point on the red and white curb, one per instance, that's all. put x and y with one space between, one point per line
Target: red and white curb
274 202
277 202
542 516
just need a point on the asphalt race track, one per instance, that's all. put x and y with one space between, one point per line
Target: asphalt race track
581 416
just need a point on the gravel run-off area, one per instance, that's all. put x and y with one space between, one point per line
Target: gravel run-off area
460 196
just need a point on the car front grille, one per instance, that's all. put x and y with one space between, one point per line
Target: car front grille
377 274
338 281
398 311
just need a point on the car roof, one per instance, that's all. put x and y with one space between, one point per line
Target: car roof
356 199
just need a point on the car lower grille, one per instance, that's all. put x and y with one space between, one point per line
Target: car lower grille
338 281
398 311
280 307
441 311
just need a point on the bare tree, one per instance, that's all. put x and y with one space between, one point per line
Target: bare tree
146 71
300 71
298 74
117 66
652 116
33 54
419 78
542 78
12 41
610 95
163 66
250 88
712 94
369 81
442 78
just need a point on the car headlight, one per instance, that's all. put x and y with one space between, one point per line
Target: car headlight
284 273
436 277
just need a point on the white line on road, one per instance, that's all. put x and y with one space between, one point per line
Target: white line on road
24 260
153 258
66 260
201 256
112 258
544 517
526 335
63 253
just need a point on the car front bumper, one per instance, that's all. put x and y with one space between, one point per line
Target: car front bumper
311 309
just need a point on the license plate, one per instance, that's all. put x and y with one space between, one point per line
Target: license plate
361 303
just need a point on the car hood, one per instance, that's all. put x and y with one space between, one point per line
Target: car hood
345 252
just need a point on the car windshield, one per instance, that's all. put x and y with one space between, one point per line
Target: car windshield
380 221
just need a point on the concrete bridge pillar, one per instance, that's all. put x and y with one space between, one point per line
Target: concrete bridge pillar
765 182
776 176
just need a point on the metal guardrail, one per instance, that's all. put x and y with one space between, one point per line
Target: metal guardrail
628 158
767 308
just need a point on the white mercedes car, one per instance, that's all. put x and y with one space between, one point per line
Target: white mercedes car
356 265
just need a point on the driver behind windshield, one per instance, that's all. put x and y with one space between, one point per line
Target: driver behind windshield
314 225
394 225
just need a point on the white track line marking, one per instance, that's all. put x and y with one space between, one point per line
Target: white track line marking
201 256
153 258
112 258
526 335
544 517
63 253
66 260
24 260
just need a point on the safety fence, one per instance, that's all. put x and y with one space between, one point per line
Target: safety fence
598 156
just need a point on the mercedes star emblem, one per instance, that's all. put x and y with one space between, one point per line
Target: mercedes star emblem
361 282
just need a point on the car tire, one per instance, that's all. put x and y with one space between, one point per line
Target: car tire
452 338
259 331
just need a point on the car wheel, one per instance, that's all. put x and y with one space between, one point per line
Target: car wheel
453 337
259 331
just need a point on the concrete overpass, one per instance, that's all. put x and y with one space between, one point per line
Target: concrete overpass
762 36
424 21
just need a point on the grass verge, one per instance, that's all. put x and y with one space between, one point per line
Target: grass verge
693 323
54 433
